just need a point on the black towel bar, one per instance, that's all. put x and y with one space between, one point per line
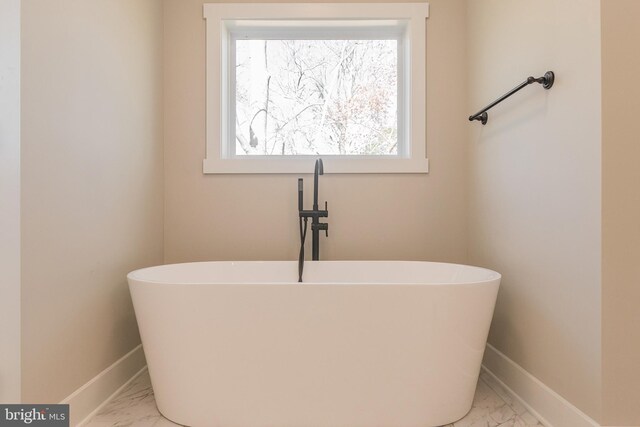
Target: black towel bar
546 81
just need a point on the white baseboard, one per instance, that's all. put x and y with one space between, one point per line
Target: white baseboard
89 399
546 405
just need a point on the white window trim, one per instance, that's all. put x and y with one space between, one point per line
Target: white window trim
217 161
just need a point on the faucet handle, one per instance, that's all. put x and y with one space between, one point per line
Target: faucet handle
323 226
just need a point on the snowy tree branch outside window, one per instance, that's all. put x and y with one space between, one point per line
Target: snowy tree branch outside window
316 97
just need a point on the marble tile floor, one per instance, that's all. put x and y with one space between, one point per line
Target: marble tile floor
135 406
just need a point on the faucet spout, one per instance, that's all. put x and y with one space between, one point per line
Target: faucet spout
319 170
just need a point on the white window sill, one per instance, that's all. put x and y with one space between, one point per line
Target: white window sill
300 165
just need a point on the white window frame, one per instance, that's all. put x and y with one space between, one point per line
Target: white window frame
220 19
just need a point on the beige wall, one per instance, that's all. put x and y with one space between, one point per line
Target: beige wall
92 185
10 201
620 213
535 186
238 217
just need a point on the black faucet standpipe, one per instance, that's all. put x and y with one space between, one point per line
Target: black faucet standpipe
315 214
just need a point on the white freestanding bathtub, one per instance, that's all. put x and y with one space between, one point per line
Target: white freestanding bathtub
359 344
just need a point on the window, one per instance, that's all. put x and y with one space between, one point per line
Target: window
289 83
299 96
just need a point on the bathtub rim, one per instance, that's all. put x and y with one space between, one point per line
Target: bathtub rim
133 276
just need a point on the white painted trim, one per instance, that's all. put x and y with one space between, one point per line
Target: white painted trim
92 396
540 400
108 399
218 158
300 165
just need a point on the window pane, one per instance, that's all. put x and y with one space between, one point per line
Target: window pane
326 97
